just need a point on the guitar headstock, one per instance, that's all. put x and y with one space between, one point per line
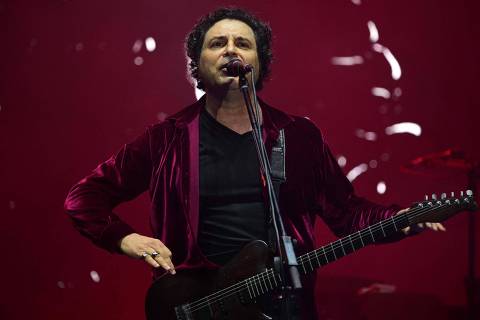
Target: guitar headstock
437 209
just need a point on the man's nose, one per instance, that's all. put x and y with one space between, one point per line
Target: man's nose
231 49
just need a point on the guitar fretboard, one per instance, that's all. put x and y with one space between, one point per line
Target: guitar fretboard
381 230
351 243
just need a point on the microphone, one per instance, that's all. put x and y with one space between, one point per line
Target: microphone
236 67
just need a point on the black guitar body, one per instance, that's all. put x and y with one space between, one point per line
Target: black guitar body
168 293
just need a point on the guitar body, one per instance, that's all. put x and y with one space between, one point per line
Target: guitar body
171 291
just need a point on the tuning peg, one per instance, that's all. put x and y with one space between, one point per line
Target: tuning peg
469 193
461 193
434 196
443 196
452 194
426 197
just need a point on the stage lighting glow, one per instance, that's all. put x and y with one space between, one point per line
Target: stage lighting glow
95 276
357 2
381 187
342 161
137 46
150 44
394 65
367 135
347 61
79 47
373 164
138 61
61 284
12 204
372 28
356 171
370 136
397 92
404 127
381 92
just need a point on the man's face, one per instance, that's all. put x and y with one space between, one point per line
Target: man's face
225 40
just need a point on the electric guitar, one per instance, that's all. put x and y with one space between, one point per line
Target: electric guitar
231 292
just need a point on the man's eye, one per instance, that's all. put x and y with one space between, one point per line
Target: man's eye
217 44
244 45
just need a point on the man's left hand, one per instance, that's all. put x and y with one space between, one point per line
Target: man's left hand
419 227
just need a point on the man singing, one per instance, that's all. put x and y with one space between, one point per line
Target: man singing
201 169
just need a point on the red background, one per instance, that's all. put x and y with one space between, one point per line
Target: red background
71 95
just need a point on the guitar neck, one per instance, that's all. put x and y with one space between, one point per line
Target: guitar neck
351 243
369 235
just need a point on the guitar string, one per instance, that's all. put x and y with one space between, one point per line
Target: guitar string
232 290
378 226
196 305
225 292
374 228
242 285
438 206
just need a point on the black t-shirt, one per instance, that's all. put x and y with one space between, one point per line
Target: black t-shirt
232 210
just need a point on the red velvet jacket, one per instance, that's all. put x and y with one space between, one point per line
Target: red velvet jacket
165 160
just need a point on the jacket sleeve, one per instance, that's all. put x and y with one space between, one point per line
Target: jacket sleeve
121 178
337 204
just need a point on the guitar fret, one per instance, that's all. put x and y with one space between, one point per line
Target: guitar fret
383 231
341 246
303 266
263 277
257 280
316 257
269 282
394 224
310 262
256 288
333 250
351 243
260 283
274 280
361 240
370 230
248 288
325 254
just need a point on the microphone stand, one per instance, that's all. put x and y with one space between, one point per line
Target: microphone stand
286 261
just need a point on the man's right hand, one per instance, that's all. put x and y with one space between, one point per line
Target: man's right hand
152 250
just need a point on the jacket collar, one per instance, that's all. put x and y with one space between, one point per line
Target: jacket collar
273 119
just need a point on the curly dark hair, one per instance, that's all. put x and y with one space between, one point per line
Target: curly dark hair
263 38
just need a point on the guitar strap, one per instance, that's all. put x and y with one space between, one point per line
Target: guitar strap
277 165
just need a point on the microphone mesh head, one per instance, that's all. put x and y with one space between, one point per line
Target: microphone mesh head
236 67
